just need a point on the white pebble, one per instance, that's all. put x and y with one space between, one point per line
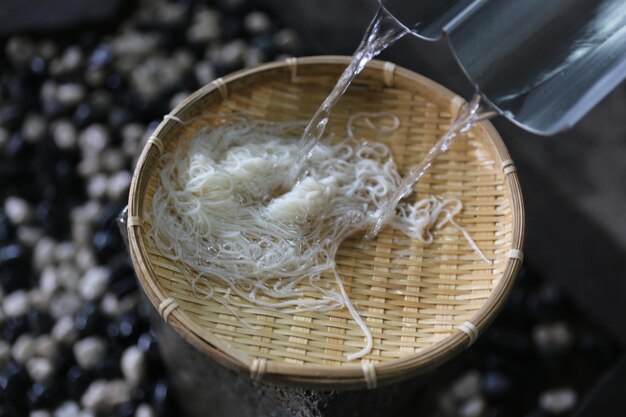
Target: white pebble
23 349
89 351
85 259
133 365
103 396
19 49
67 409
110 305
178 98
46 347
254 57
64 303
17 210
81 234
64 134
233 53
204 72
64 332
69 276
39 299
89 166
40 413
552 337
474 407
97 186
34 127
16 303
94 283
118 185
286 39
64 252
49 280
93 140
467 385
39 369
558 401
43 254
70 94
48 90
144 410
257 23
113 160
71 60
205 27
131 139
29 235
5 353
86 413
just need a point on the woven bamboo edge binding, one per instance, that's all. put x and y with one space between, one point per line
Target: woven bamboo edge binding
365 374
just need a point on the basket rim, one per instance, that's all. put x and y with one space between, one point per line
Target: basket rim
345 376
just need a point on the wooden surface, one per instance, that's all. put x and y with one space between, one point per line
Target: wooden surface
413 304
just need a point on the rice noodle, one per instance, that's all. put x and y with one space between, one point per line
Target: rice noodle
220 212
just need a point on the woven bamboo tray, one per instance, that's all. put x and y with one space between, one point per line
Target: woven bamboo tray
423 304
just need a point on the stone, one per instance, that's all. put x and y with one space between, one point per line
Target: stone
13 328
133 365
113 160
44 394
233 53
93 140
40 413
89 351
4 137
43 253
67 409
5 353
70 94
89 320
39 369
118 185
144 410
89 166
17 210
474 407
16 304
110 305
286 40
132 47
64 332
254 57
23 349
64 303
178 98
558 401
496 385
39 299
71 60
131 138
97 186
19 49
49 280
46 347
204 72
467 385
29 235
205 27
34 127
553 337
64 252
85 258
64 134
257 23
76 381
103 396
94 283
69 276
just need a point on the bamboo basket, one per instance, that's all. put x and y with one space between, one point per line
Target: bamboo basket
423 308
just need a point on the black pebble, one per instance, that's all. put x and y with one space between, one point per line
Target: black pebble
547 304
108 367
7 410
13 328
162 400
39 322
107 243
127 410
508 340
44 394
124 286
89 320
76 381
125 328
497 386
7 231
101 56
14 381
11 116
